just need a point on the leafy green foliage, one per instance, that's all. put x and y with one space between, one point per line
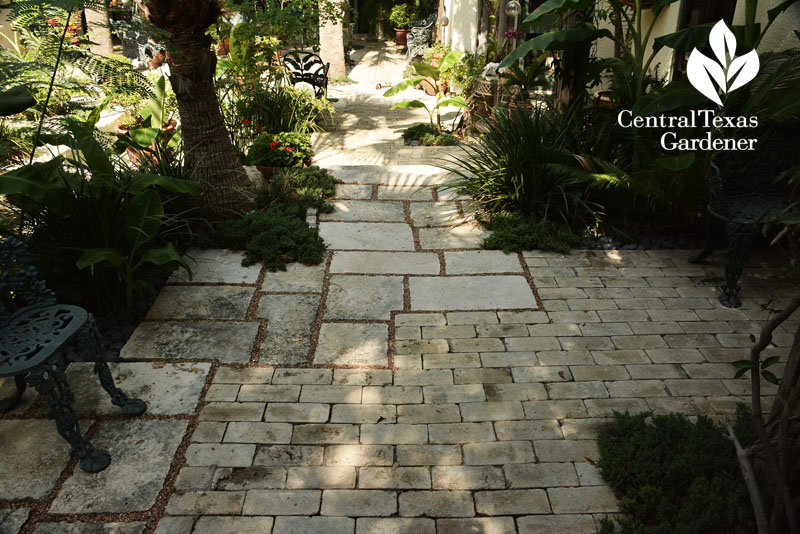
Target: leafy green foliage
514 232
428 136
401 16
676 477
275 237
280 150
308 188
98 230
522 163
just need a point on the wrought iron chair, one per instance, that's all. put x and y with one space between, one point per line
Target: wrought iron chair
307 67
420 36
33 329
743 192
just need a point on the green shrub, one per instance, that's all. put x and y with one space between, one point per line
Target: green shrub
516 232
280 150
275 237
428 136
676 477
401 16
310 188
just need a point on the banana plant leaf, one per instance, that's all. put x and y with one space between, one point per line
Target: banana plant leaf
672 96
93 256
558 40
405 104
402 86
15 100
142 181
163 256
684 40
450 59
40 183
144 217
423 69
456 102
556 6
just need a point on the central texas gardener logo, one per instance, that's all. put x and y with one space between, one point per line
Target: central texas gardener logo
728 73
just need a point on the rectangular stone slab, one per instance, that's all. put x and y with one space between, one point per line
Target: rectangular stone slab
141 453
367 236
471 293
352 344
33 454
206 302
385 262
405 175
202 340
216 266
364 210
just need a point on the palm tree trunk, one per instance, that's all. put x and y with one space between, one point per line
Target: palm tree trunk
208 146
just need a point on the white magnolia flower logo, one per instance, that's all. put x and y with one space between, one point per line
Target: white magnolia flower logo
730 73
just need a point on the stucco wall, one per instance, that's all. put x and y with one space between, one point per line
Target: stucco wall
462 32
780 35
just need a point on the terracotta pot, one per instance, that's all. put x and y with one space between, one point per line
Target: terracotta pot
429 86
401 36
223 47
268 172
435 58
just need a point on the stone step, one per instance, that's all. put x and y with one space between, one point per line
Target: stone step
395 175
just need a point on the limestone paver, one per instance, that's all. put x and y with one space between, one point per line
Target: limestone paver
351 210
169 389
471 293
296 278
203 302
385 263
364 297
481 261
352 344
201 340
213 266
33 455
426 214
465 236
142 452
366 236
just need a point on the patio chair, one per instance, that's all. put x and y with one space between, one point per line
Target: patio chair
33 330
309 68
743 194
421 35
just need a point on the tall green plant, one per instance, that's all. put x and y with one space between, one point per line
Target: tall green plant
424 71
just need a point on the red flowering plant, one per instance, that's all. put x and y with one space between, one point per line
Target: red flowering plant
280 150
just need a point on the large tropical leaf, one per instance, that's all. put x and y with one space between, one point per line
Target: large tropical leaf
144 217
684 40
40 183
557 6
402 86
163 256
674 95
405 104
423 69
15 100
93 256
557 40
456 102
450 59
144 137
154 108
174 185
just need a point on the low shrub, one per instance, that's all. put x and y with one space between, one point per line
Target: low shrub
280 150
275 236
676 477
428 136
514 232
308 188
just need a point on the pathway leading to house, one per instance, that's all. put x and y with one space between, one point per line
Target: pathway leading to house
411 384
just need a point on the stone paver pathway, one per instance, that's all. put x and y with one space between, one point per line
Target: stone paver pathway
411 384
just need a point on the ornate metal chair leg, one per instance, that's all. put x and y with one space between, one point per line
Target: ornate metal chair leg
740 239
90 339
50 381
708 247
118 397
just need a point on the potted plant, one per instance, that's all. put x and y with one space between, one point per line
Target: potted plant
270 152
401 17
519 81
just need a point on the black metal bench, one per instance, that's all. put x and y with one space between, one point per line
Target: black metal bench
307 67
33 329
743 193
421 35
135 43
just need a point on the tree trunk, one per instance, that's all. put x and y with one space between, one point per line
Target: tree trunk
331 39
573 65
208 148
99 31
